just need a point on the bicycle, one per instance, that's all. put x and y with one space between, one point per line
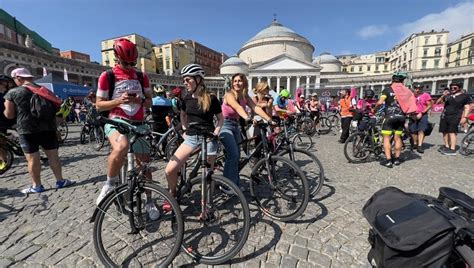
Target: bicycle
92 132
313 168
467 143
172 138
62 129
362 144
297 132
211 204
122 235
277 184
11 147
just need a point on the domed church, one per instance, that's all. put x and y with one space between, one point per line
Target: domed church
279 56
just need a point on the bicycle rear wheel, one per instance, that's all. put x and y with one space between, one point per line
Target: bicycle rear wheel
96 138
302 141
310 165
307 126
282 192
323 125
63 131
358 147
224 233
156 243
335 122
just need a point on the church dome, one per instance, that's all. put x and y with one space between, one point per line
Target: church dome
274 41
233 65
328 62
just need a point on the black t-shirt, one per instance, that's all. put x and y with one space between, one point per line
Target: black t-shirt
391 105
454 105
195 115
4 122
26 122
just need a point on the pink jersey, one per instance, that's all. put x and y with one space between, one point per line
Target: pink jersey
366 106
229 112
422 102
125 81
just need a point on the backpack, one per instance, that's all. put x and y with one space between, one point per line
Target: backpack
405 98
111 80
43 103
410 230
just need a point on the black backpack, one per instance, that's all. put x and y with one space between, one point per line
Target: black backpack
111 80
43 103
410 230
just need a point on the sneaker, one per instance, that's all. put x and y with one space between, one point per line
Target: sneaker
153 212
442 148
64 183
31 189
420 150
166 207
105 190
387 163
396 161
449 151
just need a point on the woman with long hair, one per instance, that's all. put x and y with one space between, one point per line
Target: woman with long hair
233 107
198 106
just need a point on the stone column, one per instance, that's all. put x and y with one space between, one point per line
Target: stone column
268 81
318 81
250 82
433 87
259 79
288 83
466 84
278 85
298 81
307 82
449 82
361 93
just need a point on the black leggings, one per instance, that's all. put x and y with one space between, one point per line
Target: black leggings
345 125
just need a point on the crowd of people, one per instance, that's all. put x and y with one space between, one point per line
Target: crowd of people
129 96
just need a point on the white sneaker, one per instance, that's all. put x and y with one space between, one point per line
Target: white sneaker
105 190
153 212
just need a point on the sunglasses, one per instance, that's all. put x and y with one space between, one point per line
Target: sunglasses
187 80
126 63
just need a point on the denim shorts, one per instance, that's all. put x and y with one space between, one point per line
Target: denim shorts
194 141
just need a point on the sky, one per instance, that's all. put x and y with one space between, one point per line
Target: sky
334 26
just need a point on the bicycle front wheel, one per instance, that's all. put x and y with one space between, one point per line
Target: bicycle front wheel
358 147
467 144
9 158
157 241
96 138
62 130
222 233
310 165
323 125
281 192
335 122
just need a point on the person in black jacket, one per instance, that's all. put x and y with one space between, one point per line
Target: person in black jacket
5 84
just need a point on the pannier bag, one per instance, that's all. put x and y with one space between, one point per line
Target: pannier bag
406 232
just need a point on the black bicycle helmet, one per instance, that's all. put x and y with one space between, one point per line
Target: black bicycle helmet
369 93
417 85
8 79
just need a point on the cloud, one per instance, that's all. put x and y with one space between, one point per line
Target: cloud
372 31
458 20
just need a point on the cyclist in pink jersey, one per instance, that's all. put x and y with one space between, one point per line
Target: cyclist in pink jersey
127 104
233 107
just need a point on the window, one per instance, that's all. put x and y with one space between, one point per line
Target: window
360 68
352 69
438 39
436 63
459 47
368 68
427 40
411 53
423 64
438 51
425 52
449 51
404 56
376 67
2 29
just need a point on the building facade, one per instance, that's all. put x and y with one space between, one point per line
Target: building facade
208 58
146 58
420 51
369 64
75 56
171 57
461 51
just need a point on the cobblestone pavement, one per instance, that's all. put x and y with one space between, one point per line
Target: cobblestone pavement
53 229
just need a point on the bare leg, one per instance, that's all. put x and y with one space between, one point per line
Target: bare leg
175 164
421 138
452 141
54 163
398 145
446 139
116 158
387 146
34 168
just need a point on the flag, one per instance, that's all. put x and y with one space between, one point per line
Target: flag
65 75
45 73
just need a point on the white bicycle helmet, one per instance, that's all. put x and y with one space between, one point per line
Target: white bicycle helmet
192 69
